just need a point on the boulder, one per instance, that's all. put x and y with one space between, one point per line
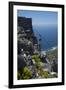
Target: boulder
21 61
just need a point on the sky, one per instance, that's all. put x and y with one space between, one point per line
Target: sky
45 18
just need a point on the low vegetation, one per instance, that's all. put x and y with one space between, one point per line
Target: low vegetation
24 73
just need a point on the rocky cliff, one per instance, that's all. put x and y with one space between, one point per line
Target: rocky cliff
27 42
31 62
25 32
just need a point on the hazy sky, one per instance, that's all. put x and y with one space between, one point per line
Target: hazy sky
45 18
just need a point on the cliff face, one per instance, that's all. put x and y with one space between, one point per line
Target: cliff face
25 24
26 39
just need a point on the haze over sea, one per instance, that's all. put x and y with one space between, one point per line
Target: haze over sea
48 35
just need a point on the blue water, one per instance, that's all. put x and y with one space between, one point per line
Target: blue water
48 35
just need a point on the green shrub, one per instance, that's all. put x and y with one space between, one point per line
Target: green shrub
24 73
44 74
36 58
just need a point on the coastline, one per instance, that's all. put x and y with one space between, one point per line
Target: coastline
51 49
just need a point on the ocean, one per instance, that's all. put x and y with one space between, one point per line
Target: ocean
48 36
